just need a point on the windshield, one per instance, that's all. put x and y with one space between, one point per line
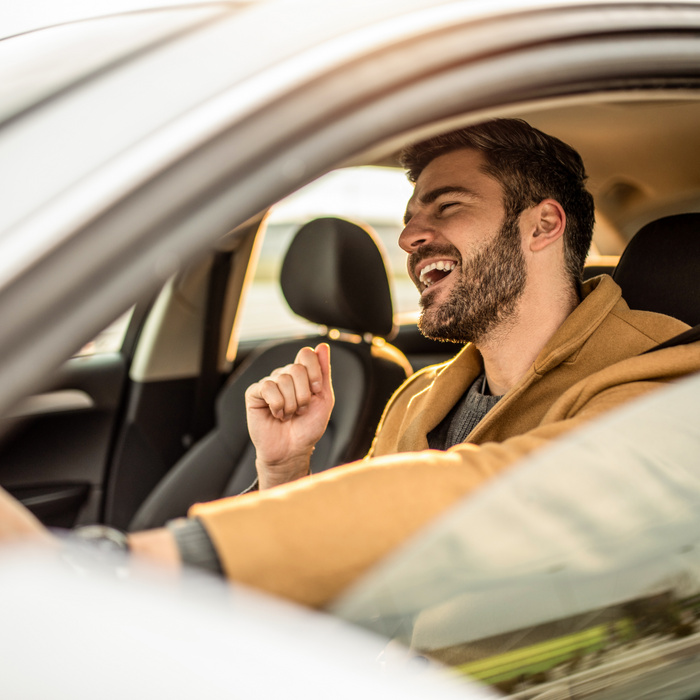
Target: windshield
577 575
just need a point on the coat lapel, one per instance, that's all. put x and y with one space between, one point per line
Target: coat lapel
431 405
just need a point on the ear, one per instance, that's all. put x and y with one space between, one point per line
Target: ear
547 223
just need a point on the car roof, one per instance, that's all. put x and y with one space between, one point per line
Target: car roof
35 15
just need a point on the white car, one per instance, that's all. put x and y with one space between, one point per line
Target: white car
140 155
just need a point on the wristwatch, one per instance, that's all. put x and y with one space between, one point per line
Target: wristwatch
103 537
96 548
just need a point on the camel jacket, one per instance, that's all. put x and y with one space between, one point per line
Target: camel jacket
310 539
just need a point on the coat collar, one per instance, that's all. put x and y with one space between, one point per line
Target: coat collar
600 295
453 378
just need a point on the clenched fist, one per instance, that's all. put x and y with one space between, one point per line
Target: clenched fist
288 413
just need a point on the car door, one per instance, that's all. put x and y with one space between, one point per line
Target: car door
573 575
59 445
119 414
56 453
163 152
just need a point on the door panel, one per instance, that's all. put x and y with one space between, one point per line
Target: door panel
55 455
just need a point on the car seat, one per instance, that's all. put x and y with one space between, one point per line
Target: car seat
659 268
334 275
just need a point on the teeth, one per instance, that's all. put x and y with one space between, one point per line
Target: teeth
447 265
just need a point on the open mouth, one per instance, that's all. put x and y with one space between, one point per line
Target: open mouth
435 272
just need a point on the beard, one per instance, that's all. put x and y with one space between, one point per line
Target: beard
485 294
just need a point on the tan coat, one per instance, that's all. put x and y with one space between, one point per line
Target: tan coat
310 539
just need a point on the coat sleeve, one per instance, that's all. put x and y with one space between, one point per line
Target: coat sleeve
309 540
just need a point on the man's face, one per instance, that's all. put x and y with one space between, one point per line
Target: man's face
465 259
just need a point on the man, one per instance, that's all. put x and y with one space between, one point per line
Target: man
479 282
496 233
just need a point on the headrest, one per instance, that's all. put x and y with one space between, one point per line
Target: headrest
334 274
660 268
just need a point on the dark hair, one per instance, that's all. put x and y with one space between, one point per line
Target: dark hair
531 166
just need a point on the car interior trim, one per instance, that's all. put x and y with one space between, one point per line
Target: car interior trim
53 402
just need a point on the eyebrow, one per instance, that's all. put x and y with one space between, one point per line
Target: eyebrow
432 195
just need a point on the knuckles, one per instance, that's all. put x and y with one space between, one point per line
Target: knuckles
288 389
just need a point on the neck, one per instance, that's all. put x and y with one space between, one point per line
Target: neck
510 349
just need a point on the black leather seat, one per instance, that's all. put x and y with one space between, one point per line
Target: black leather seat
660 268
333 275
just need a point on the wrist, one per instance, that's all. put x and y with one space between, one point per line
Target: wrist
157 547
276 473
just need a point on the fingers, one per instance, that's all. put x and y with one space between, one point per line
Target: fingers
16 522
309 359
289 390
323 356
286 391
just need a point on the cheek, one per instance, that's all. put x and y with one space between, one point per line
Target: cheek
475 239
468 249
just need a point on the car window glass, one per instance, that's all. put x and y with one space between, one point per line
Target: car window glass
577 574
108 340
370 195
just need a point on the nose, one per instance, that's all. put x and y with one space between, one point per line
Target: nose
415 234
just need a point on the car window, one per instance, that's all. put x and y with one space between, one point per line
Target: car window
370 195
110 339
576 575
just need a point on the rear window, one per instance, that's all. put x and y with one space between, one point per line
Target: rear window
368 195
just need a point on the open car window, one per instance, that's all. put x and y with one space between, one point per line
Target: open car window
575 575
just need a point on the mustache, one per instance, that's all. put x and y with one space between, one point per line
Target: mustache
432 250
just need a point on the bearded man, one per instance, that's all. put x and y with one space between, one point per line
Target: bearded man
496 233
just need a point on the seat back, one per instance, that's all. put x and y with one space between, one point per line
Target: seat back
334 275
660 268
